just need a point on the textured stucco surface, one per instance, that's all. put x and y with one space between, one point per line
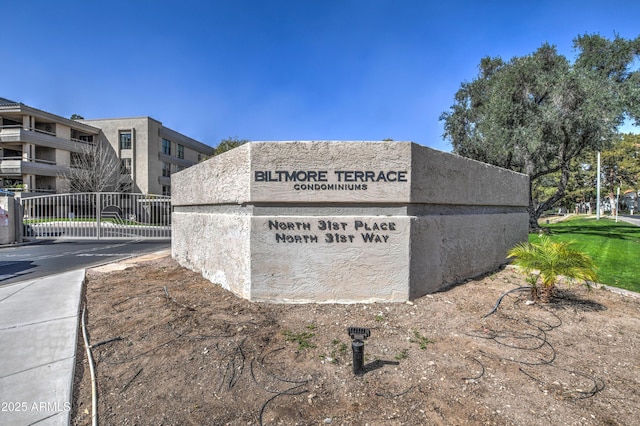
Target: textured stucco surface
224 179
313 263
443 178
246 221
447 249
217 246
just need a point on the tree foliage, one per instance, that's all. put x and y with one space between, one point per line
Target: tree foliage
96 168
228 144
546 261
537 113
620 168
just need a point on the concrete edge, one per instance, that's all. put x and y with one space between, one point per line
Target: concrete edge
597 286
617 290
124 263
83 286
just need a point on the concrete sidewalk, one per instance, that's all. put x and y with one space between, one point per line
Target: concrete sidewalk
39 326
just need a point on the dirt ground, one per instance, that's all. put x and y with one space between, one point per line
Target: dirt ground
171 348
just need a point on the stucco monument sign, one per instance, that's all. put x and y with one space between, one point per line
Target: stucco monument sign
297 222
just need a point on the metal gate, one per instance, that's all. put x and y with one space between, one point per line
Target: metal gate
101 215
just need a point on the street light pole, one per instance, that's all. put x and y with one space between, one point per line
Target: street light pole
598 190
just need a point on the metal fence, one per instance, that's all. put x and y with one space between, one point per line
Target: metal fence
97 216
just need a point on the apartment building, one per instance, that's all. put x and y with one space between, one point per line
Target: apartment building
149 151
37 147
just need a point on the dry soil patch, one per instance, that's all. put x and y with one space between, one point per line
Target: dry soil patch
186 351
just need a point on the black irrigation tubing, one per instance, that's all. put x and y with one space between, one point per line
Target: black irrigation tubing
271 352
547 326
224 377
287 392
298 383
554 315
495 308
481 372
241 369
543 339
202 336
275 376
535 379
130 297
394 395
231 366
124 388
598 384
495 336
532 323
542 361
543 331
166 293
253 376
122 361
262 364
521 336
543 327
104 342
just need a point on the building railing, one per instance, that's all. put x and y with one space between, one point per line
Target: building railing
81 141
44 132
34 160
33 129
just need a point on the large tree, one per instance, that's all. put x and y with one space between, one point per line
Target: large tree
535 114
97 168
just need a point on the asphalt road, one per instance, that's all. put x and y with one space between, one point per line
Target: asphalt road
26 262
635 220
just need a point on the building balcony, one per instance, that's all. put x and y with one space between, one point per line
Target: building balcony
39 137
16 166
175 160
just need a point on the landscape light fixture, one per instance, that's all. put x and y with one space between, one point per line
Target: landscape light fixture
358 336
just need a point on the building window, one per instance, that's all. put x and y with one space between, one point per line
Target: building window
166 169
180 168
125 140
166 189
166 146
180 151
125 166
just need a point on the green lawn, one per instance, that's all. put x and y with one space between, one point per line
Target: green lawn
615 247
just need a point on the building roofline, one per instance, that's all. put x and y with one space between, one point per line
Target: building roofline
20 107
141 117
5 101
164 129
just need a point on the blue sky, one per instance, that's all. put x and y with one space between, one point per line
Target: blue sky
279 70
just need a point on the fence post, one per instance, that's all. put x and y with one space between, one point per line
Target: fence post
98 214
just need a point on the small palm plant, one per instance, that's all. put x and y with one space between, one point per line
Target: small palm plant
547 261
